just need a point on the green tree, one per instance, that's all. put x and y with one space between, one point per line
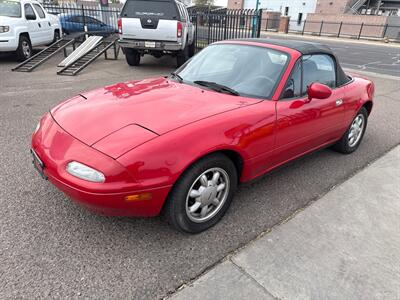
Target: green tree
204 2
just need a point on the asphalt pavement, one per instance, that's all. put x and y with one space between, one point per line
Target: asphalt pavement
51 248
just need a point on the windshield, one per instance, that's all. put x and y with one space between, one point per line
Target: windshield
248 70
10 9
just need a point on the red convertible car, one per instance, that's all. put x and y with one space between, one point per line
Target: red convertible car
180 145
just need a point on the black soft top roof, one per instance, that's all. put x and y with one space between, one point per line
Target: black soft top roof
301 46
305 48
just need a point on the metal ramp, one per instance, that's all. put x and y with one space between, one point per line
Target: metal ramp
90 43
39 58
90 56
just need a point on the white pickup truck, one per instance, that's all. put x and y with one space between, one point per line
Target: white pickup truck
155 27
24 24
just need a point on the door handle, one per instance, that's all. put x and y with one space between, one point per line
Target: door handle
40 25
339 102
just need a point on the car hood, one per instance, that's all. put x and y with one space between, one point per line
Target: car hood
156 105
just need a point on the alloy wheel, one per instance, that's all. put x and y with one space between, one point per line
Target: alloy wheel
207 195
356 130
26 49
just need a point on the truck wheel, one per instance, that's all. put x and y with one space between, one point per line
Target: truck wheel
56 35
182 56
192 49
24 50
132 57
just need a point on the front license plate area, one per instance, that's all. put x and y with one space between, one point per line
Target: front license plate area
38 164
148 44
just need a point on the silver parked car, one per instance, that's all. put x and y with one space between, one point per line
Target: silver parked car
155 27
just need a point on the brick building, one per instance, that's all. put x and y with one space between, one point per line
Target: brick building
332 6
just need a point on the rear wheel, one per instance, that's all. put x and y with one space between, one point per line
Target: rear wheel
202 195
132 57
24 50
182 56
354 134
56 36
192 49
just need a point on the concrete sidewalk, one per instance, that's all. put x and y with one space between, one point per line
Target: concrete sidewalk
346 245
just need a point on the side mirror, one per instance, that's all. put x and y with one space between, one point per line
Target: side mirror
318 91
29 16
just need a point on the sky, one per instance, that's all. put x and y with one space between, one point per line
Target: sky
221 2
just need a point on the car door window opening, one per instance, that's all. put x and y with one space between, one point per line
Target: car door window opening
319 68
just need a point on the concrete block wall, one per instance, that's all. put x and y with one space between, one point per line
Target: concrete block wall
270 18
374 26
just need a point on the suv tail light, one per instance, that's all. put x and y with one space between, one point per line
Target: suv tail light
179 29
119 26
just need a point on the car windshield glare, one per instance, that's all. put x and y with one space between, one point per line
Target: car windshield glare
251 71
10 9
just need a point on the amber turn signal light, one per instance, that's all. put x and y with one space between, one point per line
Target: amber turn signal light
138 197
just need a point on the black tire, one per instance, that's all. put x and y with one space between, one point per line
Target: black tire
24 50
56 36
344 145
132 57
192 49
175 209
182 56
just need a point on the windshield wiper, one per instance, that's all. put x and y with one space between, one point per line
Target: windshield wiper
180 79
217 87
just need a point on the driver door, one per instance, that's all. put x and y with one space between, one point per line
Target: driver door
303 124
32 24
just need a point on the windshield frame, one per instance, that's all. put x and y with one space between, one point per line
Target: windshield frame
266 97
20 9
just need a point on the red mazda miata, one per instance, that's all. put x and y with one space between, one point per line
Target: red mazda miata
181 145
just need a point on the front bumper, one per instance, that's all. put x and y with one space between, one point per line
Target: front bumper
141 45
8 43
56 148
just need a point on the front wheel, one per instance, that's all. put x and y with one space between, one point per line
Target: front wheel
354 134
202 195
24 50
132 57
